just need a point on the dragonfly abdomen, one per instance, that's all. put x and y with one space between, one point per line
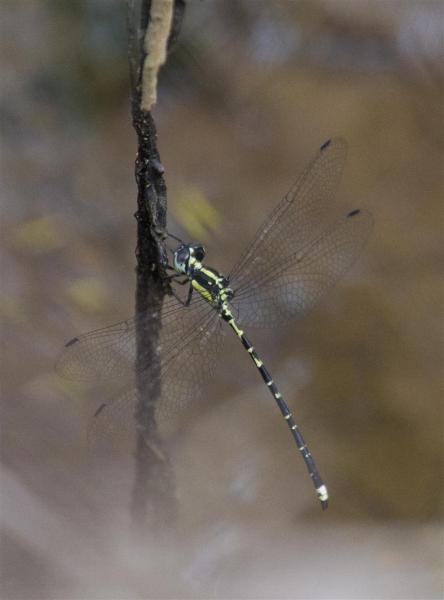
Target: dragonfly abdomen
318 483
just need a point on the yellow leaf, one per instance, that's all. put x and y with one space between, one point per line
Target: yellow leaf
194 212
39 235
90 295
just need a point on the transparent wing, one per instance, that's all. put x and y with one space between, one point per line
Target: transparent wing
110 353
302 248
190 339
183 376
298 218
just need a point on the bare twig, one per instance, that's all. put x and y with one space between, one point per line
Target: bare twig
153 495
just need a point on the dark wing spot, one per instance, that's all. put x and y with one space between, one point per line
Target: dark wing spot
353 213
99 410
325 145
71 342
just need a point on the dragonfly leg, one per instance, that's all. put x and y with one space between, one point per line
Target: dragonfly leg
186 302
190 295
164 234
175 275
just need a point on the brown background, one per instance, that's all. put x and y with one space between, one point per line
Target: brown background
252 89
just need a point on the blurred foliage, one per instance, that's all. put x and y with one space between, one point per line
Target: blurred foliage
38 235
90 295
194 212
97 80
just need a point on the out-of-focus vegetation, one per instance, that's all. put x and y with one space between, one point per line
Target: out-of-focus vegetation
250 91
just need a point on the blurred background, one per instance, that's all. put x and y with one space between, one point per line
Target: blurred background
249 93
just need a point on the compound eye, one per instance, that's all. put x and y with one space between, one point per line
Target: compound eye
199 253
183 254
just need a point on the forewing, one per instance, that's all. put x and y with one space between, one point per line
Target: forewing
297 220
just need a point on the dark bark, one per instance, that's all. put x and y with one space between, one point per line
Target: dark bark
153 495
178 15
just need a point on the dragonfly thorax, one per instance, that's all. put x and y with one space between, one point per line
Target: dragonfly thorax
209 283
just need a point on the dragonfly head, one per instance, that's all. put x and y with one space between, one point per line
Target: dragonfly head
186 256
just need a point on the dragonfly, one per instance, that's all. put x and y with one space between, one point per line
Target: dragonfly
297 255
